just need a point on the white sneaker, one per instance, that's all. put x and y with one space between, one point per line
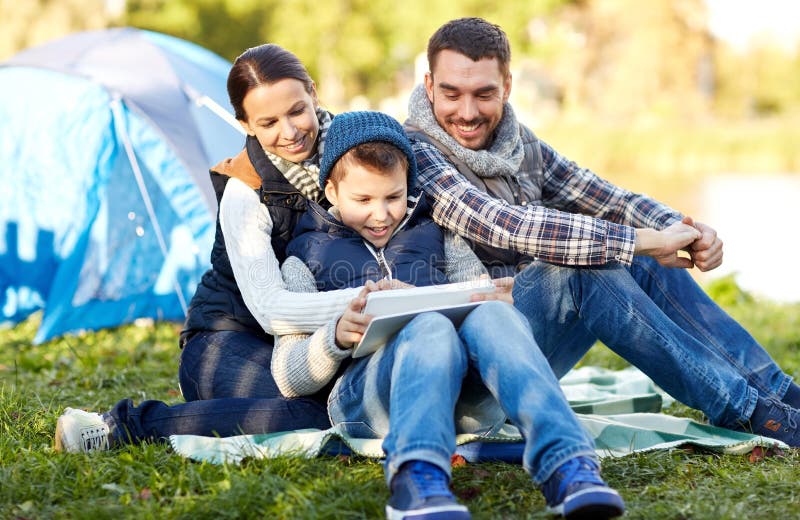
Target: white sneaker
79 431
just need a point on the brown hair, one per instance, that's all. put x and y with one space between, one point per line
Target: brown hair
378 156
265 64
473 37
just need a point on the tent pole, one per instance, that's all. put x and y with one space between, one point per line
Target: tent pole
116 104
202 100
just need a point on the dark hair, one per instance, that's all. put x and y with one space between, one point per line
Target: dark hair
378 156
265 64
473 37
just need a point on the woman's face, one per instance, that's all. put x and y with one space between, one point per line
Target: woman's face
282 117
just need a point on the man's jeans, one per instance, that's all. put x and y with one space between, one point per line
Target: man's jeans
226 381
415 381
660 321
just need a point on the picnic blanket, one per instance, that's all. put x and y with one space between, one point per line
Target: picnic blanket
620 409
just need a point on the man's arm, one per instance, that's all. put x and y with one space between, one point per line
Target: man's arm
548 234
568 187
571 188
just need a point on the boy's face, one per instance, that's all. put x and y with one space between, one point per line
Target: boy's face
372 203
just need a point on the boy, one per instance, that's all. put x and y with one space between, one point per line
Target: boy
431 380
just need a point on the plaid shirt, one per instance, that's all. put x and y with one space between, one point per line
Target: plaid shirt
581 219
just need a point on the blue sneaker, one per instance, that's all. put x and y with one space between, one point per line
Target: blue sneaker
420 491
775 419
576 491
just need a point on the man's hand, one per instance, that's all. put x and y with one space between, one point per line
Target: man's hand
664 245
503 288
706 252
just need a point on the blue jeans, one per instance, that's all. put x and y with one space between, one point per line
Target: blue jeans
226 380
659 320
409 390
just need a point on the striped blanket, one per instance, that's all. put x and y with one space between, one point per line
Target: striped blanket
621 409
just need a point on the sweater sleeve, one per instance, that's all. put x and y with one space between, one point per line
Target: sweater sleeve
301 363
247 227
463 265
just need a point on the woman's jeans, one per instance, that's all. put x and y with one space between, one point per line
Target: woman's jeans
226 380
416 380
659 320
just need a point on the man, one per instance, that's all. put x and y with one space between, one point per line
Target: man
591 260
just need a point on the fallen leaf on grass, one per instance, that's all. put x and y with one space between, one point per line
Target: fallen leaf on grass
457 461
144 494
760 453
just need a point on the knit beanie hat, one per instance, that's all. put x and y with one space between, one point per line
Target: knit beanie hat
353 128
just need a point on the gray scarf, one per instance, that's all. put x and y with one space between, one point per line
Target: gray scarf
504 155
305 175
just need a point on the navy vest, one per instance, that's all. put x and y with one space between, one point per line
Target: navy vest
339 258
217 303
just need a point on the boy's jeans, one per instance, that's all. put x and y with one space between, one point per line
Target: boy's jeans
414 383
660 321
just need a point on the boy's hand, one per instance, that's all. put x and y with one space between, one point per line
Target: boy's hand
352 323
503 288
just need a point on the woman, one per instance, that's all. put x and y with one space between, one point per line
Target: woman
241 302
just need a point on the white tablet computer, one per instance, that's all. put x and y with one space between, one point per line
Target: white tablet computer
393 309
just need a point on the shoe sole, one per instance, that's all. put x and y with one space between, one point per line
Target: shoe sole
60 447
590 504
429 513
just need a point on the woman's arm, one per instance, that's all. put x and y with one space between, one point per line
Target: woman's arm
247 226
302 364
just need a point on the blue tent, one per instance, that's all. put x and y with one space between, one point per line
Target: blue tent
106 209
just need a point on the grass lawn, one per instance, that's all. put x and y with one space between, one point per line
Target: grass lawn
95 370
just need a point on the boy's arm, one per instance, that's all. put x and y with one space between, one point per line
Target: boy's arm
301 363
463 264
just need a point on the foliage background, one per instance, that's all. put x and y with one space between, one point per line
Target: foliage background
617 59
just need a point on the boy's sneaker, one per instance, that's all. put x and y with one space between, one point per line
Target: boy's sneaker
576 491
79 431
420 491
775 419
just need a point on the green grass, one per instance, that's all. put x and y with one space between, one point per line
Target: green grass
93 371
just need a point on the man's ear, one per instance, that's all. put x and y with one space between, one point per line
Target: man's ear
330 193
507 88
247 128
429 85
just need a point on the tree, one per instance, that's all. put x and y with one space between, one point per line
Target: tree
33 22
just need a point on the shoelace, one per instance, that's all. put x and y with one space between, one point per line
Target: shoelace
578 471
430 482
786 410
94 438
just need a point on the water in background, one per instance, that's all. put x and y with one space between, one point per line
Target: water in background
756 215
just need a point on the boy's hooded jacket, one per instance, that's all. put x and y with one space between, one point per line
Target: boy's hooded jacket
339 257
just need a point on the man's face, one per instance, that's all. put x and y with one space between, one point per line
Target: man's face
467 97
